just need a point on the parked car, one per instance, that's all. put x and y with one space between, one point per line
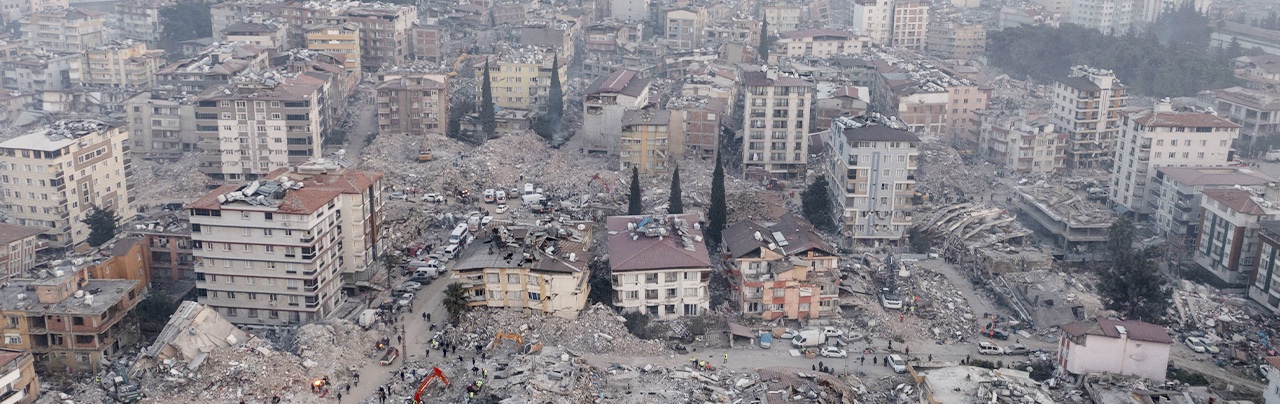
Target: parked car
500 209
832 332
766 340
409 286
997 333
987 348
1197 344
485 221
1017 349
789 334
398 196
898 365
405 299
433 198
833 352
424 280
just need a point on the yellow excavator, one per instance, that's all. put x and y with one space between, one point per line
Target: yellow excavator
521 347
457 62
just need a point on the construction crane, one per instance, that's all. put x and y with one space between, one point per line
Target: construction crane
464 56
603 183
497 339
426 381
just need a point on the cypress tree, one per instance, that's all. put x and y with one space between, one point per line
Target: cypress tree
488 122
717 215
675 205
633 201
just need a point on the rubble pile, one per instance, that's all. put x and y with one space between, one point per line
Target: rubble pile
161 182
596 330
940 312
318 343
754 205
1227 321
946 178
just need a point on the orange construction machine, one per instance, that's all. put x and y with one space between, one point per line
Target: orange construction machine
426 381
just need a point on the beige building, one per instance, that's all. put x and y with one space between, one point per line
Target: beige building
427 43
262 35
1023 144
384 27
18 378
18 246
273 252
819 43
139 20
162 125
215 65
872 172
701 117
12 11
520 78
660 265
343 40
53 177
651 140
1256 111
1161 137
910 24
607 99
118 64
1086 104
775 124
684 28
783 17
871 18
414 103
551 279
257 125
63 29
783 269
956 40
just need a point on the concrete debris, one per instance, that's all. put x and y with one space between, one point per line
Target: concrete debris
597 330
162 182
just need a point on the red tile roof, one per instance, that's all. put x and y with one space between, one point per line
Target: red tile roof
1239 200
12 232
1106 327
653 253
1182 119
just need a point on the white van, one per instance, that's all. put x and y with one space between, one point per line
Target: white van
451 250
528 188
987 348
458 234
809 338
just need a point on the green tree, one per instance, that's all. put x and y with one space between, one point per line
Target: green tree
555 98
184 21
1133 287
675 205
153 313
1120 238
762 51
102 225
634 205
488 122
815 202
718 213
455 300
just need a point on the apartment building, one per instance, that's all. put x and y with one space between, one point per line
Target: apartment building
214 65
139 21
777 115
1259 72
1176 192
1086 104
13 11
872 172
161 124
70 319
701 117
63 29
1161 137
413 103
259 124
1104 345
54 176
660 265
18 381
835 100
273 252
1022 146
225 14
871 18
118 64
342 39
42 71
606 100
651 139
1228 243
783 17
782 270
266 36
520 77
1256 111
547 275
629 10
684 28
910 24
427 43
18 246
168 239
819 43
1112 17
941 104
1265 286
1031 15
959 40
384 27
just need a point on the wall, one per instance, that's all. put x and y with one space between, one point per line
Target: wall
1115 355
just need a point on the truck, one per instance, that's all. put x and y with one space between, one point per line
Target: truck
389 356
532 199
809 338
367 317
1272 156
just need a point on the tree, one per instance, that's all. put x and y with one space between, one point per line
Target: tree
455 300
634 205
153 313
102 225
816 205
488 122
601 282
675 205
1133 285
718 214
555 98
183 21
763 50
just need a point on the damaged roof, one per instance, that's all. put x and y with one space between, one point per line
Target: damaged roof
622 81
646 253
877 133
1106 327
797 236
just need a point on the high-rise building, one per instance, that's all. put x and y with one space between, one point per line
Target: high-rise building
1086 104
520 77
118 64
956 40
872 175
1021 143
413 103
910 24
871 18
55 176
64 29
775 123
1161 137
342 39
1112 17
384 27
162 125
607 99
259 124
684 27
651 140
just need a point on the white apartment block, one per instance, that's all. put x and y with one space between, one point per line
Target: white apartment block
275 252
872 176
660 265
629 10
775 123
161 124
1228 244
63 29
118 64
818 43
1086 104
1109 16
871 18
783 17
1035 146
910 24
53 177
256 125
1164 138
606 101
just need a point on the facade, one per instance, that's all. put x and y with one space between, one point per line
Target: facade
1112 17
701 117
67 29
18 246
1164 138
629 10
1086 104
550 283
12 11
660 265
956 40
39 72
265 36
651 140
384 28
139 21
214 65
910 24
872 172
162 125
1271 371
836 100
343 40
18 381
819 43
1131 348
273 252
947 106
254 126
1256 111
783 17
1020 146
783 270
871 18
1265 286
427 43
775 123
520 78
413 103
1175 195
606 101
684 28
71 319
118 64
168 238
55 176
1259 72
1228 243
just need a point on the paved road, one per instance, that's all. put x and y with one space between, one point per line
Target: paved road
365 121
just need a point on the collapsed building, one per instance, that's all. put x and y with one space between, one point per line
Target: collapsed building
529 268
985 237
1073 225
782 270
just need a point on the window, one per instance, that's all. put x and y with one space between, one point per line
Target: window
650 278
672 277
779 292
513 279
671 293
651 294
535 297
12 339
633 294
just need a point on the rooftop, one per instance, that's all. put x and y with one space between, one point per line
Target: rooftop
1241 200
763 79
100 294
1201 176
643 243
1136 330
621 81
1256 99
12 232
297 190
877 133
790 235
1182 119
826 34
646 116
60 134
538 248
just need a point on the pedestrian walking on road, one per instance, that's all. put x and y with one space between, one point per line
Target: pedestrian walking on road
890 345
907 351
862 360
886 361
339 396
424 315
875 360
